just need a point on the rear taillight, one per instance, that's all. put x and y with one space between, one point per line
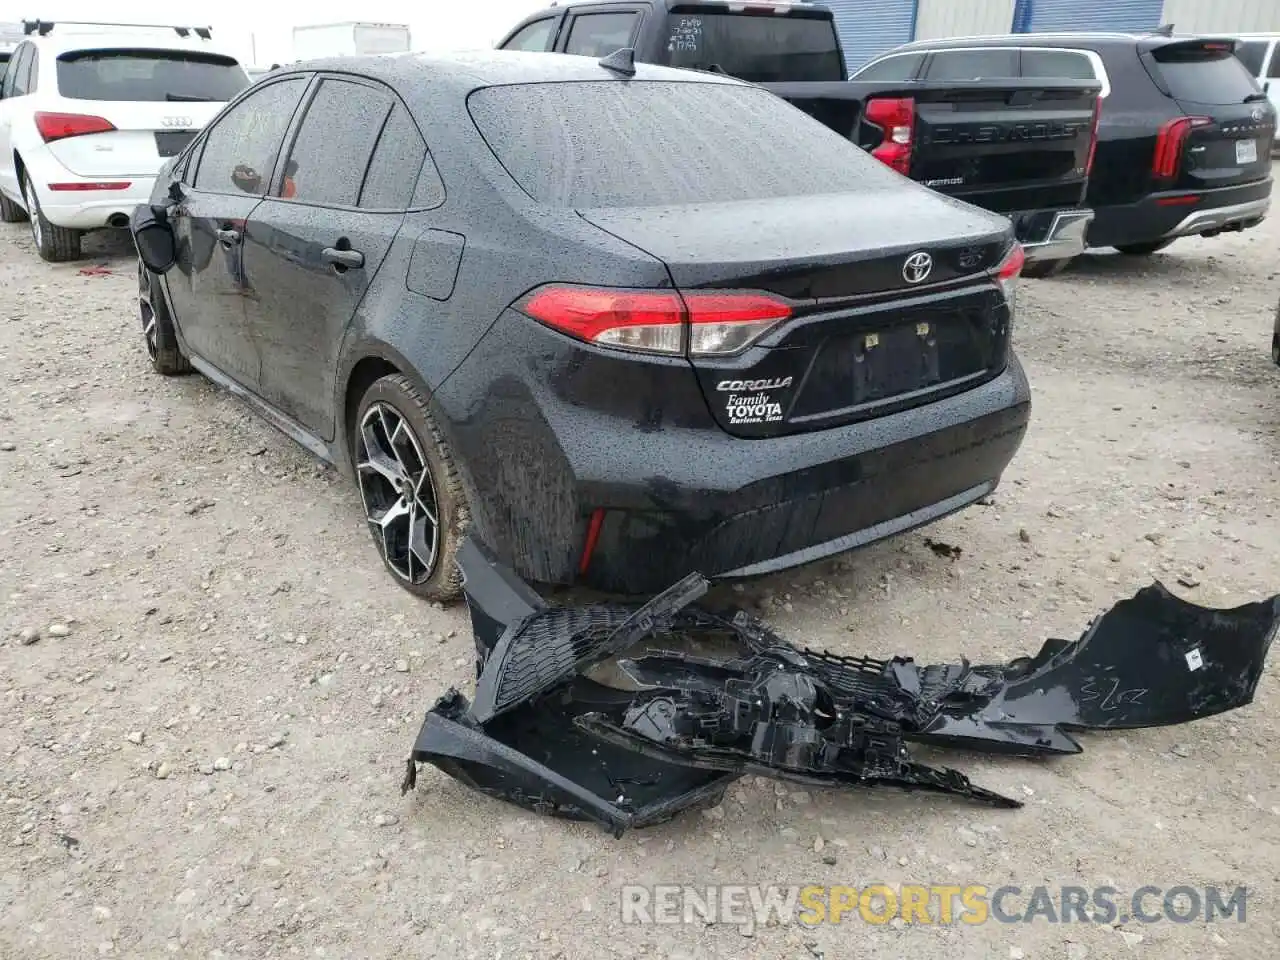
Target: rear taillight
1009 269
1167 159
1093 137
59 126
705 323
896 117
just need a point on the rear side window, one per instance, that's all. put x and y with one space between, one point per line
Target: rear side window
331 152
1274 71
758 48
642 143
994 64
1251 53
1057 64
904 67
533 37
22 72
600 34
1203 74
149 75
397 160
241 148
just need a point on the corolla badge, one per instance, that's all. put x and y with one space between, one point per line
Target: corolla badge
917 267
176 122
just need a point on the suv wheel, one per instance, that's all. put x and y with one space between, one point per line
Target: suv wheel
1143 249
55 244
10 212
157 327
410 490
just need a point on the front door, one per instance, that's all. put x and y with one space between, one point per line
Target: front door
209 286
321 236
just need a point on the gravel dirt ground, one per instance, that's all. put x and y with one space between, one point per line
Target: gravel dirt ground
203 748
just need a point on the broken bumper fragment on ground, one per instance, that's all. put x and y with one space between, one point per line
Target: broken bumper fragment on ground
627 716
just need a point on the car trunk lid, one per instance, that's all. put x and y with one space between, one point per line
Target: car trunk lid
1223 136
874 327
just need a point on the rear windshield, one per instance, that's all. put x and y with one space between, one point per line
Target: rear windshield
648 143
765 48
1201 75
150 75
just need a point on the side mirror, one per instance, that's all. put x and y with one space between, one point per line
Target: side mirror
154 238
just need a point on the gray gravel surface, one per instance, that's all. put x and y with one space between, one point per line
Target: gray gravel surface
210 685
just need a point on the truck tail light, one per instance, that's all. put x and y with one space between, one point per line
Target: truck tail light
1167 159
1093 137
59 126
703 322
896 117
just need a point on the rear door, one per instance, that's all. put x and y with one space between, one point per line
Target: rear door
14 86
226 179
154 101
1223 137
317 241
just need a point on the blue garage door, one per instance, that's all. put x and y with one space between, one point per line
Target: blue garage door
1044 16
870 27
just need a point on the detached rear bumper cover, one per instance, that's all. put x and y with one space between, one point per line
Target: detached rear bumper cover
672 730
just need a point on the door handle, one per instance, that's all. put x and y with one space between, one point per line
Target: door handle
229 237
342 259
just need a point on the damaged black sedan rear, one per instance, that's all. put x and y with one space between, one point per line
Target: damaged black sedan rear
569 720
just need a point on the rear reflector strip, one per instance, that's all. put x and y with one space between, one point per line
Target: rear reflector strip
101 185
1178 201
593 537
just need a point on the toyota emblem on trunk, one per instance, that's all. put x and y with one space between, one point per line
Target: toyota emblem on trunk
917 267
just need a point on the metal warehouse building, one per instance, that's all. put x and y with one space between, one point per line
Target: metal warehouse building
869 27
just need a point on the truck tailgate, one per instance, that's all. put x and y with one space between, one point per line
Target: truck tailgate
1006 145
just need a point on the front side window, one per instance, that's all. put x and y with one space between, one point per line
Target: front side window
532 37
241 147
600 34
329 156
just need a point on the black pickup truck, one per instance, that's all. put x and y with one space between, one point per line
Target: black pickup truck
1021 148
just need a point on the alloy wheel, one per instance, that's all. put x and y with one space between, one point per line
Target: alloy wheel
398 493
147 311
33 211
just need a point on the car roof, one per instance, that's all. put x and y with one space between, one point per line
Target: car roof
1088 40
465 71
668 4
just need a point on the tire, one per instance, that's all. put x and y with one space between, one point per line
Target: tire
1143 249
1042 269
157 327
409 454
54 244
10 212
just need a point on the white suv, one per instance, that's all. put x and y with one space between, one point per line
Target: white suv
1260 53
90 112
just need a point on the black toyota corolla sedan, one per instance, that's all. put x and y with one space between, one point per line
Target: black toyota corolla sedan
616 325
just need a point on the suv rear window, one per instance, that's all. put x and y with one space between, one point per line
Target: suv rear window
1203 74
149 75
656 143
758 48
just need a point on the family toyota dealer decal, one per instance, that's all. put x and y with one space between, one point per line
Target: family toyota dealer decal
757 407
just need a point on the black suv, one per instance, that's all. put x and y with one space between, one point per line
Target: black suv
554 303
1184 133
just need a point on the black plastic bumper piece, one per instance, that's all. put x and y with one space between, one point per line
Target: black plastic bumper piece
671 730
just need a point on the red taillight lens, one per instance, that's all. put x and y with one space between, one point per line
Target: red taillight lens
59 126
1008 271
896 116
707 323
1093 137
81 185
1167 159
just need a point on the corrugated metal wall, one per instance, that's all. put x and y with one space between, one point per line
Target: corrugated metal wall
1223 16
1050 15
870 27
963 18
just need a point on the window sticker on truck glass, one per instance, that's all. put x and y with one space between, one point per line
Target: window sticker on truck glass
686 35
